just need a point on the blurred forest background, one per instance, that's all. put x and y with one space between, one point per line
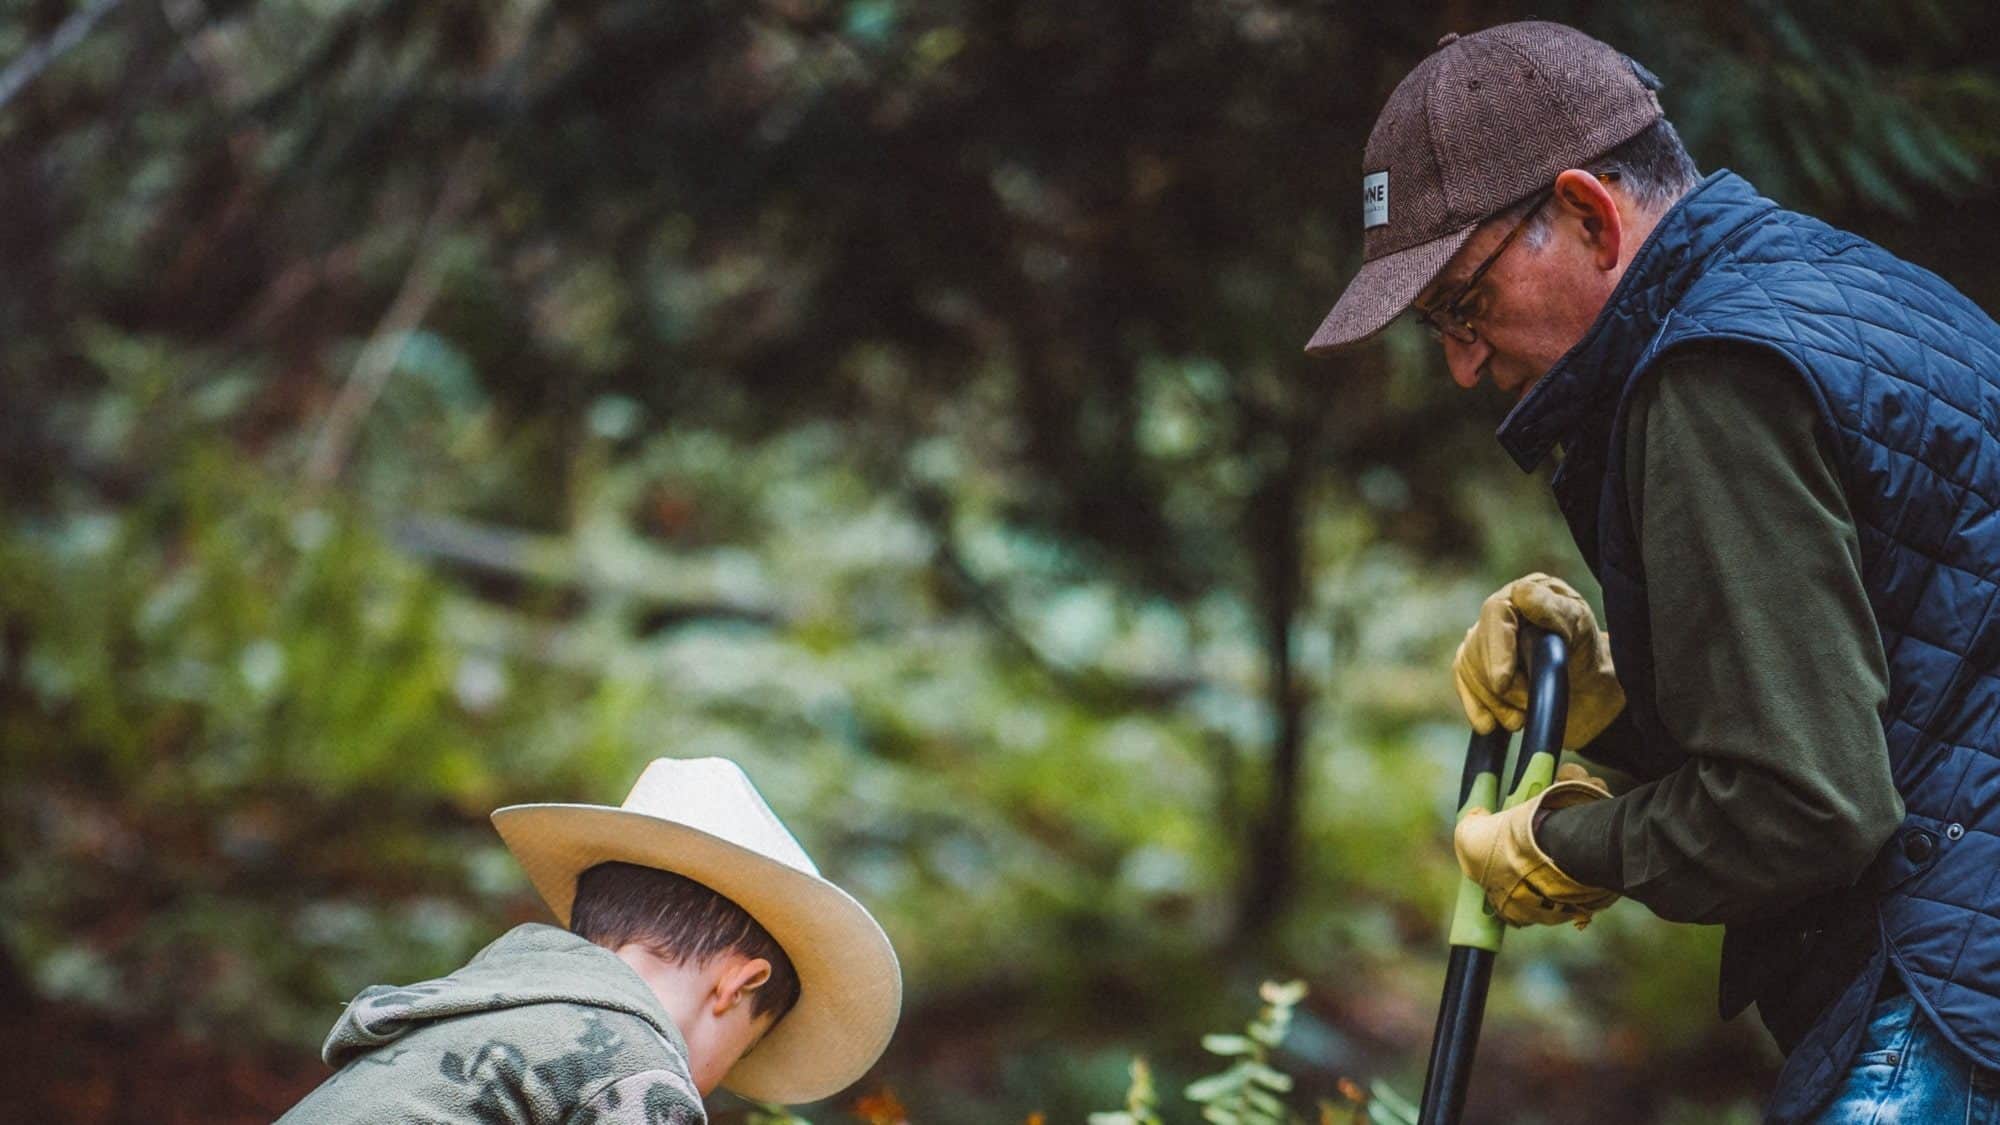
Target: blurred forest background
410 407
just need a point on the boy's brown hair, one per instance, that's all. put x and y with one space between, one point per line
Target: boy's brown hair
680 920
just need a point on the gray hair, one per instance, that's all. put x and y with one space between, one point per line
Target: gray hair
1654 170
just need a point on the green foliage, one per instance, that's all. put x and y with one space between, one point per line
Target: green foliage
900 398
1249 1091
1835 107
273 721
1141 1101
1386 1107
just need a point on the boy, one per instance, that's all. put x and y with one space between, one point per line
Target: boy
703 949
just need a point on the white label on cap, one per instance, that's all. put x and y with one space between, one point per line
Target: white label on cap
1374 200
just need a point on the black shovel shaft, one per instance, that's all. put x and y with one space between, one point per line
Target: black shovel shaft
1463 1006
1460 1014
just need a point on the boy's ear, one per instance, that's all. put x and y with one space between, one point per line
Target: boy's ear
739 981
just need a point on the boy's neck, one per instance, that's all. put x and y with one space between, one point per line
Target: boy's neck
680 988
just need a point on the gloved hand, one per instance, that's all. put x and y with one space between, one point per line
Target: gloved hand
1498 851
1493 687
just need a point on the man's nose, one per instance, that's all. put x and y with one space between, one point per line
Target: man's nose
1465 360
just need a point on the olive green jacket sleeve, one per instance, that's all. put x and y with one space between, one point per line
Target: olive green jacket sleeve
1768 666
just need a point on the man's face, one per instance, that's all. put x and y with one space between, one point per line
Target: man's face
1534 302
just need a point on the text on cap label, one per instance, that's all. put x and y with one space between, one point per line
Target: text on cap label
1374 200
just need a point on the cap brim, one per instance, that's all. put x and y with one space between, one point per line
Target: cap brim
1382 290
850 986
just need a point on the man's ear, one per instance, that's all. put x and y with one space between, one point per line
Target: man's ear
738 982
1584 196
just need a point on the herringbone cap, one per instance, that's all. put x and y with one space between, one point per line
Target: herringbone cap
1485 121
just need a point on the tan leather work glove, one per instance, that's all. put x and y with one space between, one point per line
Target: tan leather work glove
1492 685
1498 851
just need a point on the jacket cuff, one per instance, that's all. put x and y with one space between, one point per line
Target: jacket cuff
1583 842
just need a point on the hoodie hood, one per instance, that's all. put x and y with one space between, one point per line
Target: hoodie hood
531 964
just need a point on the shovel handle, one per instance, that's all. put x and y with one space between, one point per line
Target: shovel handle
1473 923
1475 931
1548 713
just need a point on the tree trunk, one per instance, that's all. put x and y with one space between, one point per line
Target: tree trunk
1271 857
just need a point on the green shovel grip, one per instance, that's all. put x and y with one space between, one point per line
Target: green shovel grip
1539 775
1473 922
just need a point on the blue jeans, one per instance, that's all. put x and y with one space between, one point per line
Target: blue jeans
1907 1074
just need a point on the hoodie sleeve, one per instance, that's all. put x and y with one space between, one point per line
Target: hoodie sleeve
651 1097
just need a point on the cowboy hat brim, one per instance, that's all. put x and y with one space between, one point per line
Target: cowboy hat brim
850 985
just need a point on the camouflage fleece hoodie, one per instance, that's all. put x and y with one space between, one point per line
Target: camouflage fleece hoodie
541 1026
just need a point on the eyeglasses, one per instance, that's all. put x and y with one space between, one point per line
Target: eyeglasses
1451 318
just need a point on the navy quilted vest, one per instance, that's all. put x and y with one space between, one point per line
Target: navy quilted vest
1906 374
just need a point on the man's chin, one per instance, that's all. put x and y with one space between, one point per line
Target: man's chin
1513 384
1520 390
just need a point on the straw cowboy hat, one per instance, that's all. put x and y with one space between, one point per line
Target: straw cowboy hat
702 818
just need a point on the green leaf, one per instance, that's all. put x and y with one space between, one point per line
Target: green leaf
1227 1045
1806 151
1874 183
1267 1102
1381 1114
1792 37
1208 1089
1283 995
1912 155
441 365
1950 152
1804 85
1381 1094
871 20
1268 1077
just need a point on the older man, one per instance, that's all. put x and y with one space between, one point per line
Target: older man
1779 458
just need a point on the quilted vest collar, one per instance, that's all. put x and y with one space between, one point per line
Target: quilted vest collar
1580 391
